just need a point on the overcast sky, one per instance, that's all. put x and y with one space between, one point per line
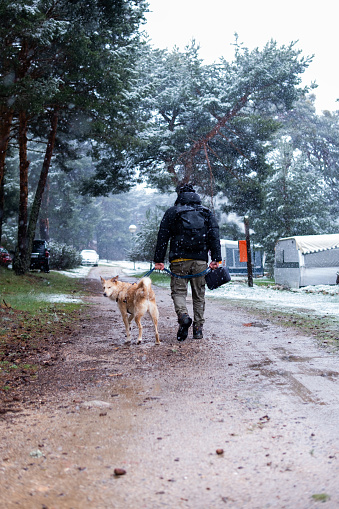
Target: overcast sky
212 23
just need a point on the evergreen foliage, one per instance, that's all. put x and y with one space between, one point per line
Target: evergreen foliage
143 248
317 138
69 63
210 124
297 199
63 256
86 111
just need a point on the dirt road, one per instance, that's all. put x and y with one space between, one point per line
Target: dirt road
247 418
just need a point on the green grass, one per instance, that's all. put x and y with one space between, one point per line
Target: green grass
32 291
321 497
7 366
158 278
34 316
263 282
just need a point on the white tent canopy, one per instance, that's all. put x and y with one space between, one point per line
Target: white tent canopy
315 243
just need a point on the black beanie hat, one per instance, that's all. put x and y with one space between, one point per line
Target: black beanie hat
185 188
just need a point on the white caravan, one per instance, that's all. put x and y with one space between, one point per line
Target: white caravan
307 260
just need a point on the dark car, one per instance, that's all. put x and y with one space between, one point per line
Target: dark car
5 257
40 256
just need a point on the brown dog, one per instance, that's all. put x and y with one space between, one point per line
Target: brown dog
133 299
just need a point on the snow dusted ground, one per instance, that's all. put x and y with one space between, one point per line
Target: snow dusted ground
320 300
82 271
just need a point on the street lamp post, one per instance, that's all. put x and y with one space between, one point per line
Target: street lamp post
132 228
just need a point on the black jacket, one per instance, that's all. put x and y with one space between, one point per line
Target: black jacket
169 231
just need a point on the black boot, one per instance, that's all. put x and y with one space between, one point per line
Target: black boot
184 324
197 332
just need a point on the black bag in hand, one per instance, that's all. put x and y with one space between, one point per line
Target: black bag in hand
217 277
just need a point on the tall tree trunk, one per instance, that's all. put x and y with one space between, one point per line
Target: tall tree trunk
42 180
44 221
2 205
20 262
6 117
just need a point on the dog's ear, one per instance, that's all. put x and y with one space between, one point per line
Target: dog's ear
102 279
114 279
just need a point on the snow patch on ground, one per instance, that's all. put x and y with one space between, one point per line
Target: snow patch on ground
78 272
57 298
320 300
130 268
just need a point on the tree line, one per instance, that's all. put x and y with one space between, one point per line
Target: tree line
66 69
89 110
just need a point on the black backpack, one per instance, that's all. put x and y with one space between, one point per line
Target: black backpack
192 227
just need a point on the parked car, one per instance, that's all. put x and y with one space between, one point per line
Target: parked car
5 257
89 257
40 256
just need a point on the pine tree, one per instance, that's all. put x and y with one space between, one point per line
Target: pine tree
63 61
316 136
296 200
210 124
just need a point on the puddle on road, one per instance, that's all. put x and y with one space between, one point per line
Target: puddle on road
256 324
58 298
286 356
259 365
332 375
295 358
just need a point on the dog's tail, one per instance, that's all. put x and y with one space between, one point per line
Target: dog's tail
145 285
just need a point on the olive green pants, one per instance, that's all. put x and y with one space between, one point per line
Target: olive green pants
179 288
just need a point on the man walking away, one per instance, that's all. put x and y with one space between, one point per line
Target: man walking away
192 231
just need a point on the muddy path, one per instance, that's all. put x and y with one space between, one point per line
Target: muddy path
245 418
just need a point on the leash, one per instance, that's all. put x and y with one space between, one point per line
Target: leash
189 276
148 273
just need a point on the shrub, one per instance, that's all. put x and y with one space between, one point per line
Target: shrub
63 257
